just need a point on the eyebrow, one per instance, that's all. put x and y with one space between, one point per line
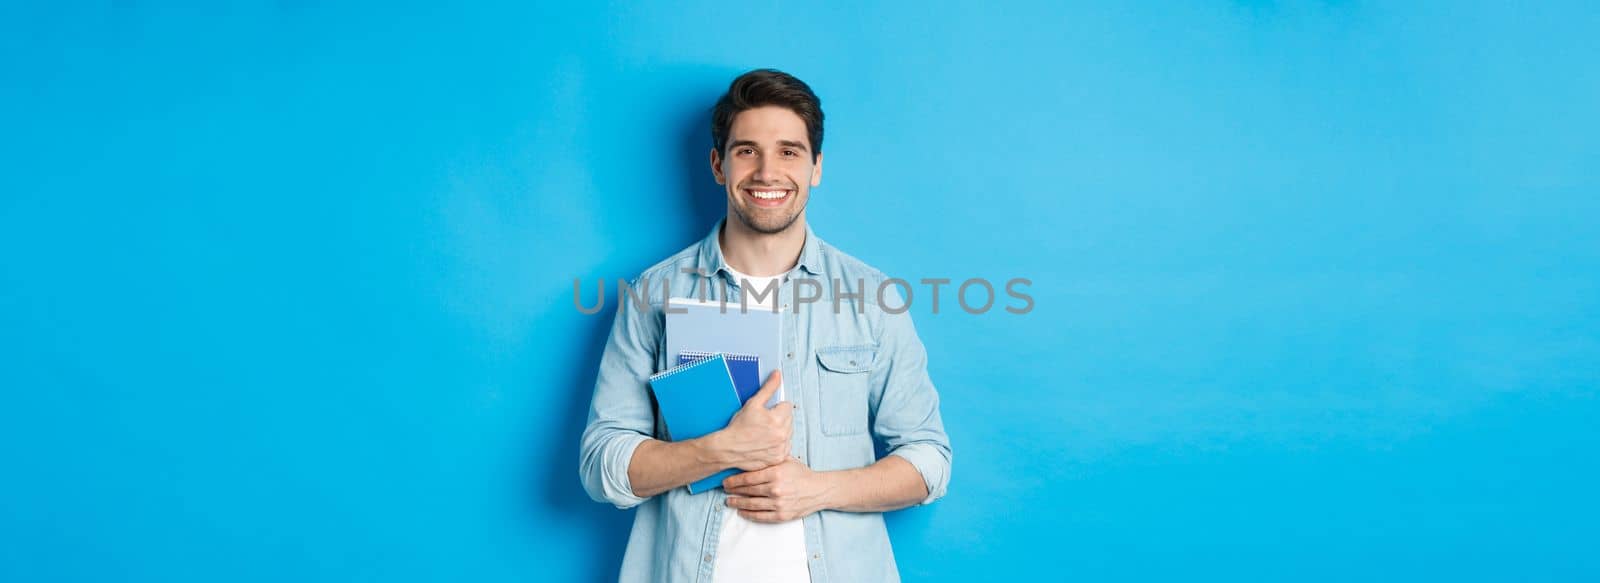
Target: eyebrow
789 143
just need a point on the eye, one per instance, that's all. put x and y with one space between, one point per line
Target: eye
790 153
746 151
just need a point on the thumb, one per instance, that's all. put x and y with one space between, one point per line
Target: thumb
767 389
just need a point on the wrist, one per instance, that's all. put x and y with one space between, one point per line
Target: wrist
709 450
833 489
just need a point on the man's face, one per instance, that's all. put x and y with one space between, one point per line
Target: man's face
768 170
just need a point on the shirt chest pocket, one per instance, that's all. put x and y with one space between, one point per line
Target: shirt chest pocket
843 380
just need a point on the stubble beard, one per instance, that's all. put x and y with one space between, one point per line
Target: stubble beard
766 223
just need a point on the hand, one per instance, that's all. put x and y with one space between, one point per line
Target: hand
781 493
757 437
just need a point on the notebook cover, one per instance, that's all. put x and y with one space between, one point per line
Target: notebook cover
696 399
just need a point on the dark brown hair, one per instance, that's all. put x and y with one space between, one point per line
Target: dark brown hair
763 87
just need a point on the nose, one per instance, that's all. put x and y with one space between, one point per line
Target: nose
764 171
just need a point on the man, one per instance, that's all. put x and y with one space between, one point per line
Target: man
809 504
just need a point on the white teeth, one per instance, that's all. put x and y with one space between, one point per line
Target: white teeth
769 194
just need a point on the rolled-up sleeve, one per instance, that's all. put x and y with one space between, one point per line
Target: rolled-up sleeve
620 412
907 405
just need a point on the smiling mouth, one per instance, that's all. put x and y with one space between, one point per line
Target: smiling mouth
768 197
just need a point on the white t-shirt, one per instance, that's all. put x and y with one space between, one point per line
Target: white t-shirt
758 552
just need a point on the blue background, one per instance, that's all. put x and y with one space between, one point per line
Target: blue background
286 289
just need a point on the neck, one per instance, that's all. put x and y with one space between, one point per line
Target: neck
761 254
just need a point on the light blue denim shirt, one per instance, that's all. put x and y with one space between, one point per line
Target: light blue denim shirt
858 378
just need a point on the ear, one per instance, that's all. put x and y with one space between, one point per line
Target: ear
716 166
816 171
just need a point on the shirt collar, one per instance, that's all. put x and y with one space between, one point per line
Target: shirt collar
712 261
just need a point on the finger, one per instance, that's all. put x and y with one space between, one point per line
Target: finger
767 390
752 503
784 409
761 490
747 479
766 516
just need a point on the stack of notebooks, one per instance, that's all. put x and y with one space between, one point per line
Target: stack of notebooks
722 354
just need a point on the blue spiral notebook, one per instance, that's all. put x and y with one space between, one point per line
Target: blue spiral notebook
744 368
699 397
